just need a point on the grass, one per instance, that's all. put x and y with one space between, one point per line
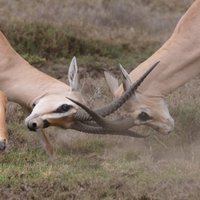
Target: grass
125 32
98 167
42 41
93 176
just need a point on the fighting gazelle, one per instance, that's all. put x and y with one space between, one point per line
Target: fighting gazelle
179 62
48 99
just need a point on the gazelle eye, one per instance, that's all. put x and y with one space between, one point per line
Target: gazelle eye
143 116
63 108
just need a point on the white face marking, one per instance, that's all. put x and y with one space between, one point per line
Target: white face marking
46 109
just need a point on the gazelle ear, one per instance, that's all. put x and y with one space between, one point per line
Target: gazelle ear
126 79
112 82
73 75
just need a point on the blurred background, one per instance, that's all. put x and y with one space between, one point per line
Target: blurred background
127 30
101 34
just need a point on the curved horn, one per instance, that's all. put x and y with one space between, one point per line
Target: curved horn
113 125
117 103
79 126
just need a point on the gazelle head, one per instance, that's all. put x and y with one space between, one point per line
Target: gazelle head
143 109
54 109
63 109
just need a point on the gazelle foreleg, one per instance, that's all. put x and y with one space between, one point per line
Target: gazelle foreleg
45 142
3 129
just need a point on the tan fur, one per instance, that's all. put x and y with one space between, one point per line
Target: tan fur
3 129
179 62
25 85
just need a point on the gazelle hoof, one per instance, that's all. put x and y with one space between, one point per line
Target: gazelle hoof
2 145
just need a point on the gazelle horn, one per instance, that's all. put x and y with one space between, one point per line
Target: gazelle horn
105 123
79 126
117 103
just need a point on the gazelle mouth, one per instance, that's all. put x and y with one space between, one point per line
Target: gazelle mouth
34 126
37 123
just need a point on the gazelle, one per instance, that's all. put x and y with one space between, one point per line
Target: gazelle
48 98
179 62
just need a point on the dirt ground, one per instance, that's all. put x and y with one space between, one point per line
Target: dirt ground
165 158
96 167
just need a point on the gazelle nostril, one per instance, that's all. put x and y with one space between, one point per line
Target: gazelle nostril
34 125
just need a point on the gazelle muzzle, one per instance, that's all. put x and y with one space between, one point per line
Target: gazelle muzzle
37 124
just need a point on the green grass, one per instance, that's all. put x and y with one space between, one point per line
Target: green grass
51 41
86 178
38 42
90 167
97 167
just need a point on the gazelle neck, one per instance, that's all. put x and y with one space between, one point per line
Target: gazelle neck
179 57
21 82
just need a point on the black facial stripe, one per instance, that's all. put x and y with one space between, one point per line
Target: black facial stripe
46 124
63 108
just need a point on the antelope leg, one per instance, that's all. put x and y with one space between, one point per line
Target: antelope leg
45 142
3 129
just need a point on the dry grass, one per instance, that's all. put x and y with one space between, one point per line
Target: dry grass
117 30
99 167
98 32
98 13
106 167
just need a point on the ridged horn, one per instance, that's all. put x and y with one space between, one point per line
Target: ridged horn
116 103
79 126
117 125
